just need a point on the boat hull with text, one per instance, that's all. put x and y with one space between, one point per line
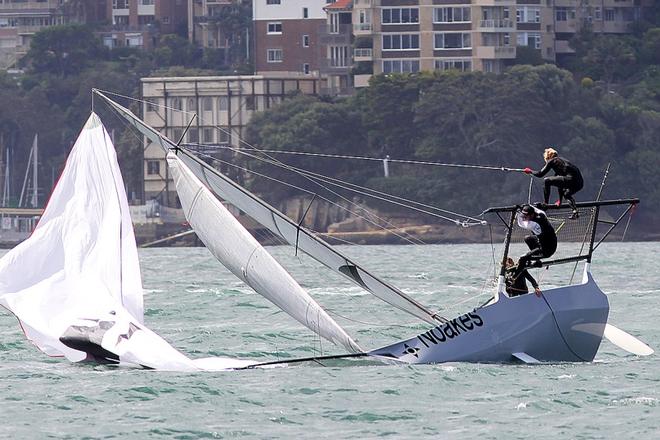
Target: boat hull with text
563 325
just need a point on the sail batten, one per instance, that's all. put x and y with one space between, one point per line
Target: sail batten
279 224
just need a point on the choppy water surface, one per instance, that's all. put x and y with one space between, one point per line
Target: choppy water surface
204 311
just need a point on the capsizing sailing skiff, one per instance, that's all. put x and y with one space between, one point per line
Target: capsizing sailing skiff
85 308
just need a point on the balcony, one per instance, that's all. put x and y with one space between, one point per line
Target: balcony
562 46
329 35
29 30
51 4
358 3
361 80
495 52
362 28
494 2
334 67
496 25
362 54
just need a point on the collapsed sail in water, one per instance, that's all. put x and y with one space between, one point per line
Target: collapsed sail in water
242 254
75 284
281 225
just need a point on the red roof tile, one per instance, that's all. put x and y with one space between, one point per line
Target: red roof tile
340 5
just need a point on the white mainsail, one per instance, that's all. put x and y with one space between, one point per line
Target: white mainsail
75 284
281 225
242 254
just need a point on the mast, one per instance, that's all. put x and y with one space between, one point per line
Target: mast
35 173
280 224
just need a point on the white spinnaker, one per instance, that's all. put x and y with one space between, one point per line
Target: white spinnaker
79 251
80 266
281 225
242 254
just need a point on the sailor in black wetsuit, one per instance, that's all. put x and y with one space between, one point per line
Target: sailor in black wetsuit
542 242
567 178
516 286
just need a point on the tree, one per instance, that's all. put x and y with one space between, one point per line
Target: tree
610 57
63 50
528 55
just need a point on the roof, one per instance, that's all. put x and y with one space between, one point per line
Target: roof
340 5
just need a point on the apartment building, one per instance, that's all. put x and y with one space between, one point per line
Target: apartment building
406 36
19 21
203 23
138 23
223 104
286 35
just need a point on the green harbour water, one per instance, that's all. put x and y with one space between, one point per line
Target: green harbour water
202 310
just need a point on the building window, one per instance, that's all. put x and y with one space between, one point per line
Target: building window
119 4
334 24
400 66
274 56
305 12
191 105
609 14
275 27
272 2
400 41
530 39
208 135
564 13
223 135
120 20
207 104
451 15
250 102
598 13
400 15
339 56
457 40
193 136
305 68
177 104
528 14
153 167
145 19
223 103
305 40
176 134
165 19
456 64
151 106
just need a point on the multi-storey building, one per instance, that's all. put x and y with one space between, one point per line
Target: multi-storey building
384 36
203 23
286 35
137 23
19 21
223 105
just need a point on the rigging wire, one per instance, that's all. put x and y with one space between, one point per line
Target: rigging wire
365 191
390 160
276 162
316 178
355 214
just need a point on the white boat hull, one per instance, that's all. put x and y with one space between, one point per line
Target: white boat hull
563 325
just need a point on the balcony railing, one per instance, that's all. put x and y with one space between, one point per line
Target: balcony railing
496 24
52 4
362 53
362 27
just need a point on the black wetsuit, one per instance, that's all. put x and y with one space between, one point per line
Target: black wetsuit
542 242
516 285
567 179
